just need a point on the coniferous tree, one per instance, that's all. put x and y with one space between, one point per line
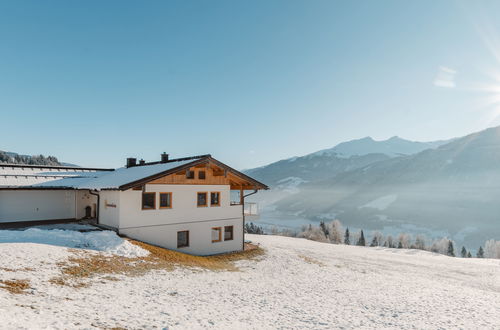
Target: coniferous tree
451 250
374 241
361 240
480 252
251 228
323 228
400 245
469 255
420 242
347 240
463 252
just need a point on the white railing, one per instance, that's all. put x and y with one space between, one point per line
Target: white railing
251 209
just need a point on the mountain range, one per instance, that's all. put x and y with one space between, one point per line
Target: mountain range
442 188
343 157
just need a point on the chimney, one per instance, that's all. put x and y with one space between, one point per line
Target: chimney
131 162
164 157
142 162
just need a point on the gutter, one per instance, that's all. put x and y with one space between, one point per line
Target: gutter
243 211
98 204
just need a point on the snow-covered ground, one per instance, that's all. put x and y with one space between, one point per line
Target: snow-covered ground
74 236
297 284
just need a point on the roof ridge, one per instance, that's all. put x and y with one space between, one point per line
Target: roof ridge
172 160
56 167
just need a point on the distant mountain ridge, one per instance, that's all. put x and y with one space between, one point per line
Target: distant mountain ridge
345 156
392 147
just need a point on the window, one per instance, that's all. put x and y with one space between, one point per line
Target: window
183 238
201 175
149 201
189 174
228 233
215 199
166 200
216 234
202 199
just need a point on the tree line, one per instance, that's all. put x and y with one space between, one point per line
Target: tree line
334 233
12 158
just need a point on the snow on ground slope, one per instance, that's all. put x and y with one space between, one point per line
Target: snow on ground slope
74 236
297 284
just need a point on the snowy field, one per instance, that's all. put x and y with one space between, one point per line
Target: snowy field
296 284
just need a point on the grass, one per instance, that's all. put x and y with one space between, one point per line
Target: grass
25 269
15 286
84 265
310 260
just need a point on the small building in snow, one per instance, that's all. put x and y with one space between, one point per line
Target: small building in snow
194 205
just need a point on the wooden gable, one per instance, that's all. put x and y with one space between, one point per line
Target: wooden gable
214 175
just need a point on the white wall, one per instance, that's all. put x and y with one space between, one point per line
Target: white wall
184 206
84 199
200 239
160 226
109 215
31 205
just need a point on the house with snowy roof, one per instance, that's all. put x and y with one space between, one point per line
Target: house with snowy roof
195 205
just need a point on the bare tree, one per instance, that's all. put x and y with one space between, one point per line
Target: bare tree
492 249
336 232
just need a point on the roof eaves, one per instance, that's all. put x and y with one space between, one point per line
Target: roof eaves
242 175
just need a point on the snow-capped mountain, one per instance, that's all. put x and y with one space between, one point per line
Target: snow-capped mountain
393 147
343 157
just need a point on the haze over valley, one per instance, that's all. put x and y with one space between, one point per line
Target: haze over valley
439 189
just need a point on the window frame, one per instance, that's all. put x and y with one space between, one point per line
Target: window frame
206 198
214 192
232 233
187 239
204 175
154 201
219 229
159 200
188 176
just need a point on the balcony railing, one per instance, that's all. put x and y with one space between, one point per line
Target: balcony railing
251 209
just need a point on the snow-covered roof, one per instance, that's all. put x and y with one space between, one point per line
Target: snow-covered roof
110 180
121 178
19 175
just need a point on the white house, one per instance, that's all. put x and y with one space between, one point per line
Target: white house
194 205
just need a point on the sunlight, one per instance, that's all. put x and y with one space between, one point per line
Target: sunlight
489 100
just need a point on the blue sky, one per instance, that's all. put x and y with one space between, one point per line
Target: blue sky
251 82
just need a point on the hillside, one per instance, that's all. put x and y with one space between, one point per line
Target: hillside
295 284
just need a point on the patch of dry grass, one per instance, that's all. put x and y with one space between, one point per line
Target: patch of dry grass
310 260
24 269
84 265
15 286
